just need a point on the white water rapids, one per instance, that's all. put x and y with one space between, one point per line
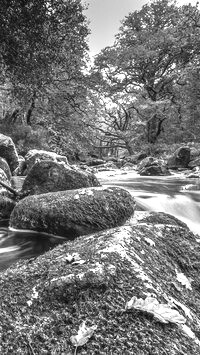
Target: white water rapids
160 194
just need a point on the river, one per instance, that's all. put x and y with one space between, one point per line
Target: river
161 194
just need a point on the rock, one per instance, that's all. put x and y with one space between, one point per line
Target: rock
152 166
94 279
194 163
49 176
75 212
35 155
20 170
6 207
94 162
153 170
5 167
4 178
8 152
180 158
136 158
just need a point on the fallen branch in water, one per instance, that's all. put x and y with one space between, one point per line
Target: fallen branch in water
15 192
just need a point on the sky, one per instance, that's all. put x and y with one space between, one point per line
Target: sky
105 17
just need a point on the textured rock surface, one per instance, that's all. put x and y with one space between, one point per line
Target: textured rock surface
152 166
180 158
35 155
45 300
6 207
8 152
48 176
75 212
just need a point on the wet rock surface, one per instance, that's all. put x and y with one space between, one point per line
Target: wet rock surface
74 212
45 300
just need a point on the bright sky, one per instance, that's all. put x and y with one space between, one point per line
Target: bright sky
105 17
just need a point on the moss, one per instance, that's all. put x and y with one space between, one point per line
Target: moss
74 213
47 324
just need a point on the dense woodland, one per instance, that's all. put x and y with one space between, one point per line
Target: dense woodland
141 93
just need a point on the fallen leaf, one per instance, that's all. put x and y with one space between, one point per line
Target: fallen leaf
83 335
162 312
183 280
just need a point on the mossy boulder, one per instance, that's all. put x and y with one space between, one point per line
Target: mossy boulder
48 176
8 152
44 301
74 212
35 155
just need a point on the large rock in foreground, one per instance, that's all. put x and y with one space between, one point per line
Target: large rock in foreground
137 285
8 152
49 176
75 212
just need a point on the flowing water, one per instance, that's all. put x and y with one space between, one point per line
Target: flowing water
161 194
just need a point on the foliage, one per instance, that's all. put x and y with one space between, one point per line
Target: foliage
149 67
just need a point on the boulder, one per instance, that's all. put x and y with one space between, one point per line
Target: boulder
194 163
135 288
5 167
36 155
152 166
136 158
8 152
180 159
74 212
4 178
94 162
49 176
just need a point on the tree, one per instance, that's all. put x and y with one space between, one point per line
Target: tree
148 57
42 49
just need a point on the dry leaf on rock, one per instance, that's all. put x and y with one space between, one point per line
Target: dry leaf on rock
183 280
84 334
160 311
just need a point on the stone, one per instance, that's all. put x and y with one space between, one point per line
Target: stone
49 176
151 166
94 162
153 170
5 167
180 158
6 206
20 170
136 158
93 279
74 212
8 152
36 155
194 163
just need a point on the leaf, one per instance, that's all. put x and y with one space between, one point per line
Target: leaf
84 334
183 280
162 312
